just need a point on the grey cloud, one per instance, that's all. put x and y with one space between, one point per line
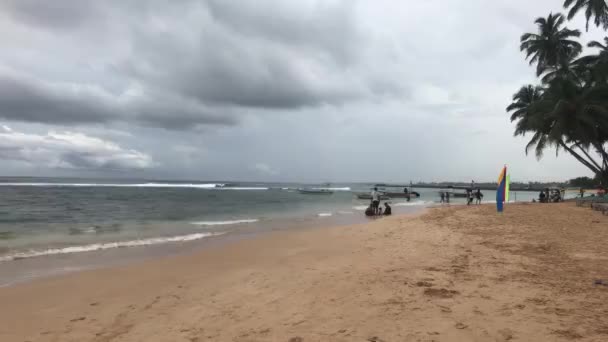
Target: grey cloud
218 60
305 63
64 14
69 150
30 100
329 28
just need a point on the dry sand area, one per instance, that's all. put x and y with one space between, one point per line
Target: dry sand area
450 274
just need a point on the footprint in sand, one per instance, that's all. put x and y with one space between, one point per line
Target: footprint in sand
440 293
424 284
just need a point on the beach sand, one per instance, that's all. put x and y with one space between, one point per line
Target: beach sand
450 274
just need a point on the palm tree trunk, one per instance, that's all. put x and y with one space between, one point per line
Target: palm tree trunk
596 170
591 159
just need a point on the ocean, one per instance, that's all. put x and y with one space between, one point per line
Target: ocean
52 225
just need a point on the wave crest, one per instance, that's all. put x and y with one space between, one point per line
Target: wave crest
222 223
107 245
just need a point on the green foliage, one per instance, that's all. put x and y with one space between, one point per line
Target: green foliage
598 9
583 182
568 110
552 46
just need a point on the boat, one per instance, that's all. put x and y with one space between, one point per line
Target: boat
315 191
368 196
454 194
412 194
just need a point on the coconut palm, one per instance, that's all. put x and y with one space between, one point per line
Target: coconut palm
596 66
598 9
566 116
523 99
552 47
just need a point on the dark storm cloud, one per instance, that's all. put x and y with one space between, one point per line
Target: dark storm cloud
209 57
243 55
27 100
31 100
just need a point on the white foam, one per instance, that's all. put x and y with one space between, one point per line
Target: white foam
325 214
411 204
210 186
345 212
243 188
222 223
360 207
333 189
107 245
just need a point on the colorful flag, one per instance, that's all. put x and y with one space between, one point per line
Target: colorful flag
501 190
507 186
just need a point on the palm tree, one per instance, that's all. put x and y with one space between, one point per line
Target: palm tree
552 47
525 97
596 66
566 116
596 8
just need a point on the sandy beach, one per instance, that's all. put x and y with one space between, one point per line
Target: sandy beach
449 274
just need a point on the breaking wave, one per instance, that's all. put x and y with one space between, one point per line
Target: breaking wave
209 186
222 223
107 245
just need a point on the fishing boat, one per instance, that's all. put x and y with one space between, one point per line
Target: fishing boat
454 194
412 194
315 191
368 196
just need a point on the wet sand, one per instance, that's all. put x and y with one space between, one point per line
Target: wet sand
450 274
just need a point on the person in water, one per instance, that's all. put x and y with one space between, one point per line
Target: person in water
387 209
442 194
370 210
375 200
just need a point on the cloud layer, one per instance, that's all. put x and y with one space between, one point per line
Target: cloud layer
240 89
69 150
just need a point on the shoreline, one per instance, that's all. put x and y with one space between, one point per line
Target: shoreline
20 270
449 274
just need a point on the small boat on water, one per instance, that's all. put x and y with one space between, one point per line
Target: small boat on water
315 191
412 194
454 194
386 195
367 196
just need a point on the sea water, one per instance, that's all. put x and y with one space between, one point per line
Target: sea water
68 218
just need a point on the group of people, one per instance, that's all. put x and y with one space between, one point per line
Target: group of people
471 196
551 196
474 195
375 209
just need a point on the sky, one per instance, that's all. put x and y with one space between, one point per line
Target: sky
269 90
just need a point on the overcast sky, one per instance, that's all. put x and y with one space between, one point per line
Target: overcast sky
260 90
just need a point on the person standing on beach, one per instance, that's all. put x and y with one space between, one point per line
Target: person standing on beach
478 196
447 197
375 200
442 194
